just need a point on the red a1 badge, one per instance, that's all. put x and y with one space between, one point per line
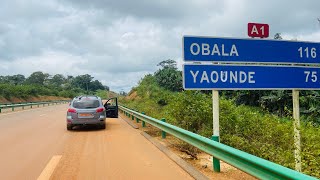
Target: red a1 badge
258 30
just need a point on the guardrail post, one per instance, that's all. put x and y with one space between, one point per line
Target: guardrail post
143 122
132 117
216 162
163 133
0 110
12 108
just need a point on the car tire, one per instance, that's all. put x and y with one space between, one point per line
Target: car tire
103 126
69 127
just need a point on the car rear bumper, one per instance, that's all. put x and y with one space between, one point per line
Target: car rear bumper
99 121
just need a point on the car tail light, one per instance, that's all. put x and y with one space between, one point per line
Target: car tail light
72 110
100 110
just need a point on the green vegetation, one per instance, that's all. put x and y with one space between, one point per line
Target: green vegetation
168 76
102 93
39 83
252 129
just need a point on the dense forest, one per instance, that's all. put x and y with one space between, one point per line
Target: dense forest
257 122
40 83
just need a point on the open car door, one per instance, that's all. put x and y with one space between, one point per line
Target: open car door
111 108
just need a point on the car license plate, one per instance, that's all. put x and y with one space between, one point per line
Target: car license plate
85 115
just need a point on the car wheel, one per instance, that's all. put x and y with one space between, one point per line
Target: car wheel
69 127
103 126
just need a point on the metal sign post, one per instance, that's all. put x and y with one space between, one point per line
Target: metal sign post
296 125
216 133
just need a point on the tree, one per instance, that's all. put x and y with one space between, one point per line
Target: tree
107 88
37 78
278 36
168 76
169 63
82 81
95 85
18 79
57 80
123 93
15 79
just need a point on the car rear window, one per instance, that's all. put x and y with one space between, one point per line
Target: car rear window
86 104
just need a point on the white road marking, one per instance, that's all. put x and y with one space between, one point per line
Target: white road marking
48 170
42 114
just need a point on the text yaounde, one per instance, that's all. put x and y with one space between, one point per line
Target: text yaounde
223 77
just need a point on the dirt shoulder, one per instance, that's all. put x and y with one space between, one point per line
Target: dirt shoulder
200 160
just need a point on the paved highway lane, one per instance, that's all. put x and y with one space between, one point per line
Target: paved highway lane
34 139
29 139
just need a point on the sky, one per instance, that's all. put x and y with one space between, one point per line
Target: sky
118 42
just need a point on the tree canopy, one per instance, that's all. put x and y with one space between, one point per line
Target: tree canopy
58 83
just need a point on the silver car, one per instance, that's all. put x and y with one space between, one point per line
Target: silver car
89 110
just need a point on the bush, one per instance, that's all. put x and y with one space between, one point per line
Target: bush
102 93
67 94
192 110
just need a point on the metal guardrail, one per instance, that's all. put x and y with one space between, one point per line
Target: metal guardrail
31 104
248 163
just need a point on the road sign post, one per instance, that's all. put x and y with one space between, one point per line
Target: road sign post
205 76
216 132
296 125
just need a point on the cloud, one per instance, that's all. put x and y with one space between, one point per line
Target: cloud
118 42
49 61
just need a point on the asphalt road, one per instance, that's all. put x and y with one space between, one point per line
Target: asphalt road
34 144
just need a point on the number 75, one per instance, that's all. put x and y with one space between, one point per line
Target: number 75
314 77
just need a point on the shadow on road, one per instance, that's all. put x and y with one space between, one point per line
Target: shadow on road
80 128
85 128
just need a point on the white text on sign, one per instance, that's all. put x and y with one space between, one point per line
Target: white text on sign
308 52
223 76
213 49
311 75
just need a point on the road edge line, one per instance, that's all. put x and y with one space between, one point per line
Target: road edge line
192 171
129 122
50 167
